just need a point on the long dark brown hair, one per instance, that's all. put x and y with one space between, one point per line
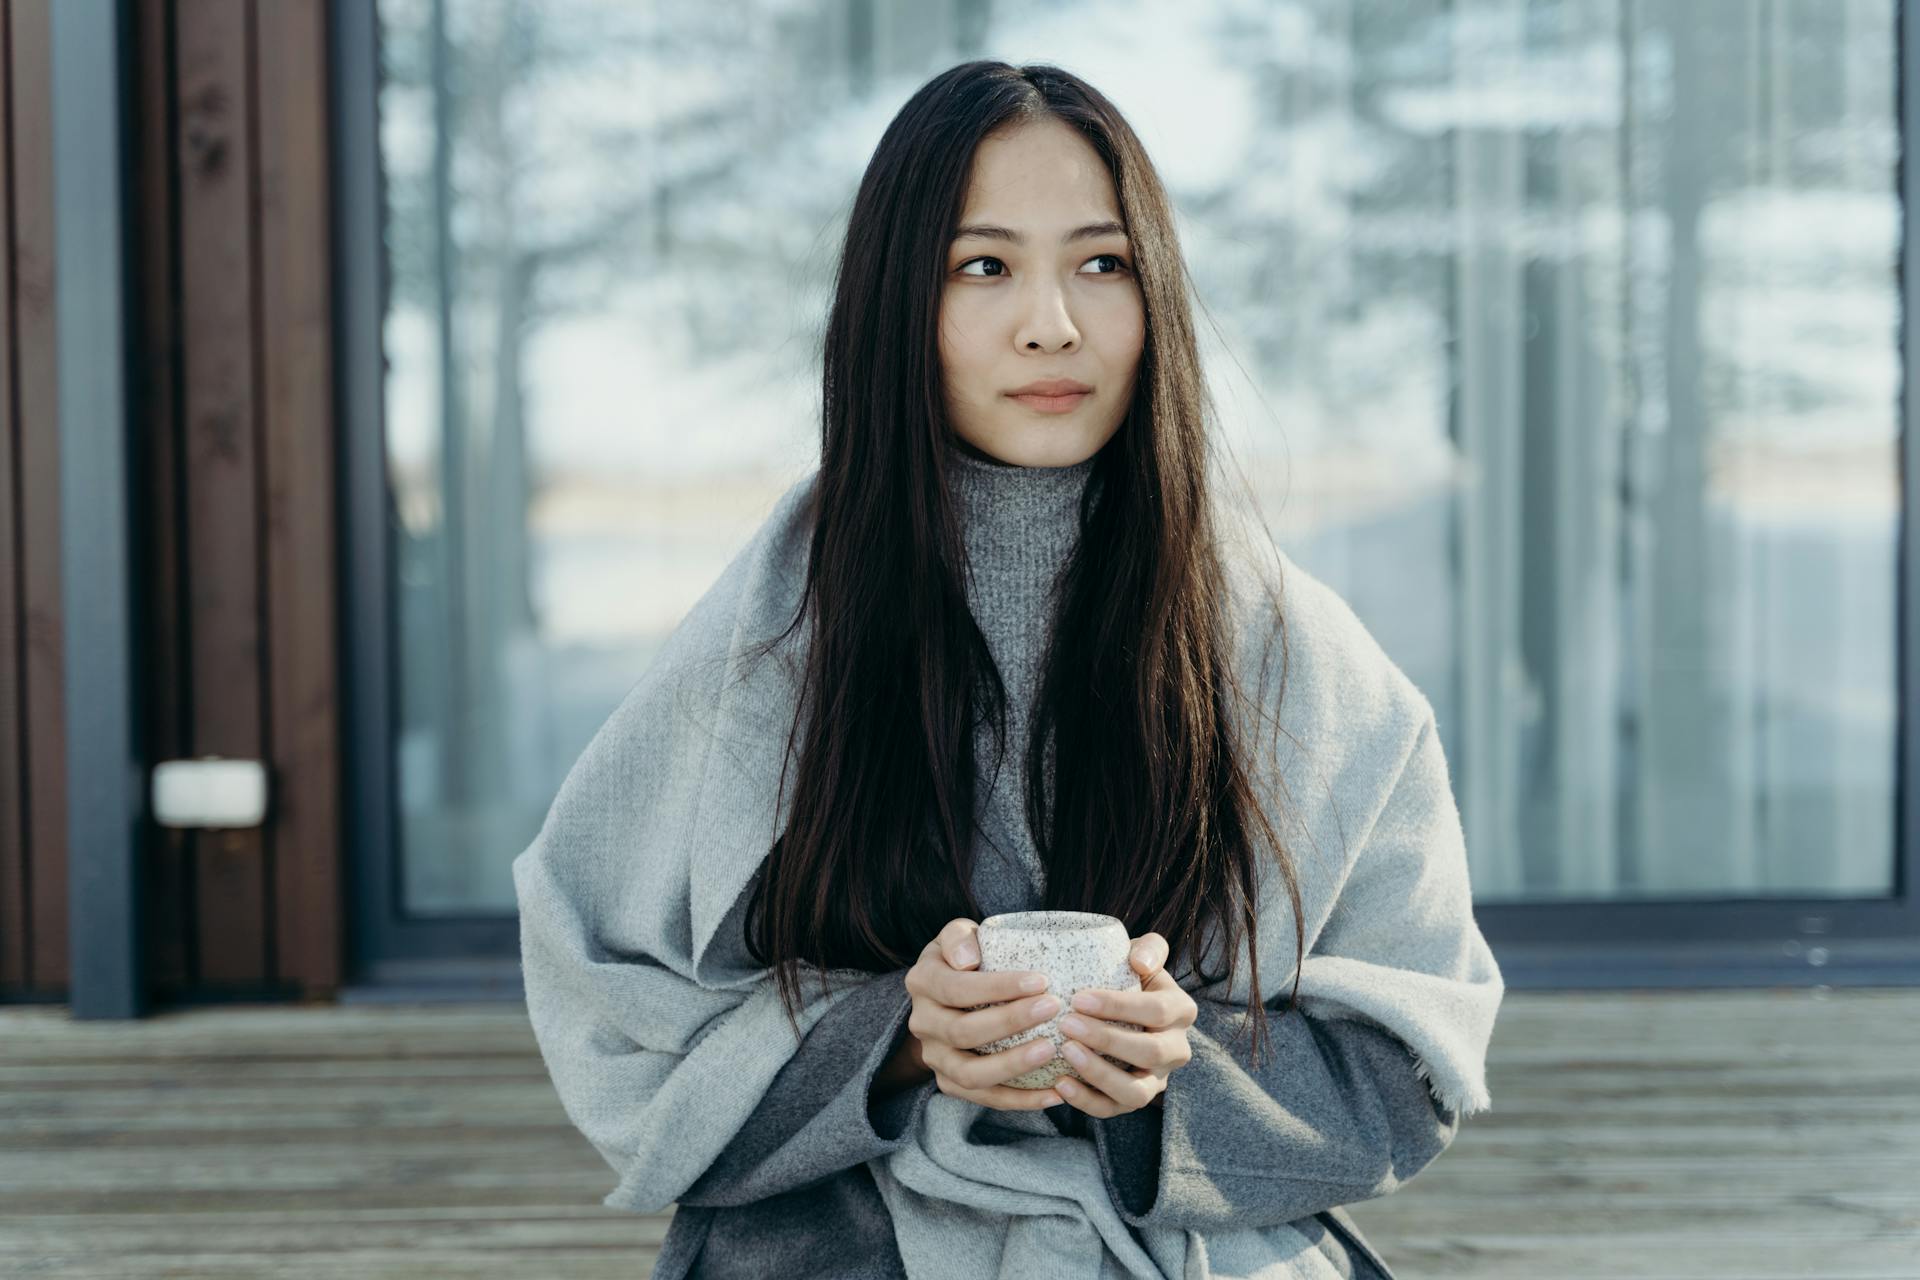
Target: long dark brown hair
1154 816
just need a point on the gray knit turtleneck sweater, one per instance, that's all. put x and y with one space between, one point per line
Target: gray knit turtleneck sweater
1020 525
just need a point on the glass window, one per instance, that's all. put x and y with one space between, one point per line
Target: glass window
1561 338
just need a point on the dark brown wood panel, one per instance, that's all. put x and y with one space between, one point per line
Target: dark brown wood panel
40 667
15 920
221 449
167 896
233 446
303 692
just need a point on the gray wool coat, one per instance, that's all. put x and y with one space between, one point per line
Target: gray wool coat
1334 1114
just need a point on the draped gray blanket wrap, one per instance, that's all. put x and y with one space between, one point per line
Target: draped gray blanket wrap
661 1034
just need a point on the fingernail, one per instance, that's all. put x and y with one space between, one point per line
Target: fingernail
1088 1001
1040 1052
1033 982
1075 1054
1072 1025
1044 1007
964 954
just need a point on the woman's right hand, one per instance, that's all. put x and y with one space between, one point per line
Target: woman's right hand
945 988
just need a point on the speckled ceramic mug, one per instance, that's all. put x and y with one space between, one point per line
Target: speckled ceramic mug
1076 950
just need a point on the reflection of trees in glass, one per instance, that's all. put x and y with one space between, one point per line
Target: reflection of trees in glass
493 235
1537 291
1762 446
545 163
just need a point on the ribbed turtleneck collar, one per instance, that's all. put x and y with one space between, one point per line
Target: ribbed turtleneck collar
1020 526
1020 523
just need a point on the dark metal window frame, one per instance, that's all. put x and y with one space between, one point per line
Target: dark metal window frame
384 946
1602 944
98 382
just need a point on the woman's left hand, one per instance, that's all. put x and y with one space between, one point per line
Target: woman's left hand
1164 1012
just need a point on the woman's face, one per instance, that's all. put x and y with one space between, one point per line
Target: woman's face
1039 289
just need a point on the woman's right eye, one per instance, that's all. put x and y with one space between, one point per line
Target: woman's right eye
971 261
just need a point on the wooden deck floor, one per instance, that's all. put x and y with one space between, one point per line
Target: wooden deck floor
1633 1135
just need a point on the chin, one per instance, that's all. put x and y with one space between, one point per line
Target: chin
1028 447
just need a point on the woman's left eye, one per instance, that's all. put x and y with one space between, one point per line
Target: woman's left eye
1119 263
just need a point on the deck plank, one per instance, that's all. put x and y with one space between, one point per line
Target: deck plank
1635 1135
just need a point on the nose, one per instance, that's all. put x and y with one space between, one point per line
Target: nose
1046 324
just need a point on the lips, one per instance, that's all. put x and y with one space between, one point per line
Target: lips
1052 404
1052 395
1051 387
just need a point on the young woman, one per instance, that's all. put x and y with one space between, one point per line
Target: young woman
1022 661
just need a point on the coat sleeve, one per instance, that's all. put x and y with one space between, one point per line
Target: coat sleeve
1340 1108
819 1115
656 1070
1334 1114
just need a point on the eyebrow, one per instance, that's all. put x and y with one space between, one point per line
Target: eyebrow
988 231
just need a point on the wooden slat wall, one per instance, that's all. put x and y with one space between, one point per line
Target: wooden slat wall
255 444
296 307
235 429
221 446
33 821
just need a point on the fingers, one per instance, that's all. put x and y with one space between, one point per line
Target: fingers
1155 1050
1105 1090
1003 1097
973 1028
966 989
1083 1097
1148 955
996 1022
940 978
969 988
1160 1006
958 944
976 1075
